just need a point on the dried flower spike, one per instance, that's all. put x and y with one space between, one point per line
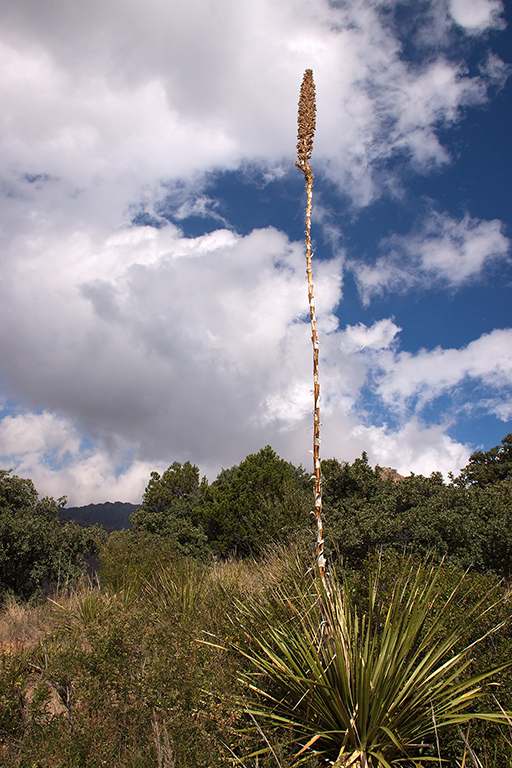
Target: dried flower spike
306 124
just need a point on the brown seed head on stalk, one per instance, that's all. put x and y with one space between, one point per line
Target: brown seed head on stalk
306 124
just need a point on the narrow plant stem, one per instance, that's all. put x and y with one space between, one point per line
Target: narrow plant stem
320 559
306 130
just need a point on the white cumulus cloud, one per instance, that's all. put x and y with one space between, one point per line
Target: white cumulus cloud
477 15
444 251
430 373
126 347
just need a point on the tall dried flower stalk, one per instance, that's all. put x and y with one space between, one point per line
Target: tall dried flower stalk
306 131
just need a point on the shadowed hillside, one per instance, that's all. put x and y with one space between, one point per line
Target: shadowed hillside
113 516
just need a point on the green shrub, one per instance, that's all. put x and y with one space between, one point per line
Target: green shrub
262 500
36 547
470 526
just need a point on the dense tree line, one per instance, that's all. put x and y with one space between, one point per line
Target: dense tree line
265 499
467 520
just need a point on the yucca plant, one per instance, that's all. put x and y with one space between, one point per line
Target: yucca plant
371 690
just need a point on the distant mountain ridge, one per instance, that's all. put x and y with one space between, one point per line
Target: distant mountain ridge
111 515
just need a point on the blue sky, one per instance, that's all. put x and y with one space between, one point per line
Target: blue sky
154 305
